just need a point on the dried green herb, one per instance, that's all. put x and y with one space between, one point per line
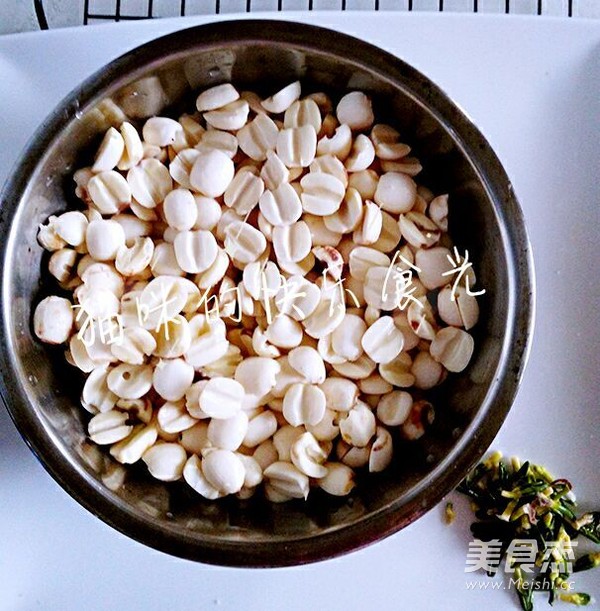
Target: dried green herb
449 513
515 502
577 598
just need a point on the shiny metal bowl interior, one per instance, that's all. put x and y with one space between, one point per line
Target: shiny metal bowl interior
42 391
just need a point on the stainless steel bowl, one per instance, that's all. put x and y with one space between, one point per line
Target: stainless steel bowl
42 391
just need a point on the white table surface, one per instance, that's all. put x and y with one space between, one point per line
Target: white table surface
532 85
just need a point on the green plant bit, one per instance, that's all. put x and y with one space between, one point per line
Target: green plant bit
589 561
525 593
514 500
576 598
449 513
589 526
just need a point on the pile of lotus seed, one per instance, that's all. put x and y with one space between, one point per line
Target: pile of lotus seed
234 280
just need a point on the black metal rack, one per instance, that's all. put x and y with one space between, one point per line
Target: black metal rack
120 11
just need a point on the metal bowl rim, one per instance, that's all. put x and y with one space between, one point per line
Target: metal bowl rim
371 527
